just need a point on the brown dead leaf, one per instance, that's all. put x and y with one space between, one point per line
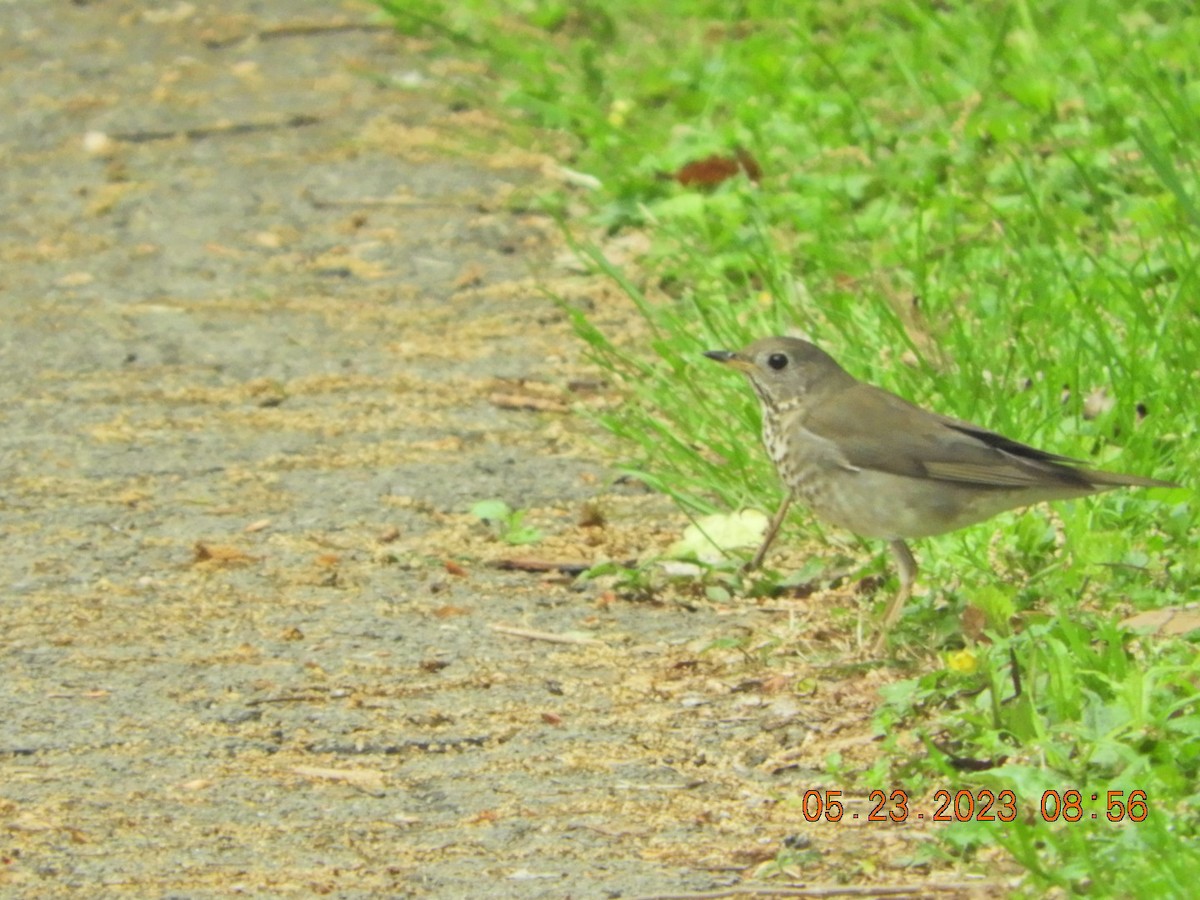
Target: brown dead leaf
712 170
1170 621
775 683
974 620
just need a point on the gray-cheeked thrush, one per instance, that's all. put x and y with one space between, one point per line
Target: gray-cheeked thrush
871 462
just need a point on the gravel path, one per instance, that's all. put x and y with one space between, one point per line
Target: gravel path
270 329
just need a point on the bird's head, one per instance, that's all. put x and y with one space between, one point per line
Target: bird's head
784 371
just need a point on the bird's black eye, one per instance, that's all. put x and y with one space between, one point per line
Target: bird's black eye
777 361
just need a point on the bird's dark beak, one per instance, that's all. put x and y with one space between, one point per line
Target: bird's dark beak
729 358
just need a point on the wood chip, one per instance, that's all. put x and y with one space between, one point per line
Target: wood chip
221 554
367 779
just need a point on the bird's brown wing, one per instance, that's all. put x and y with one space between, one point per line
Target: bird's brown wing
878 430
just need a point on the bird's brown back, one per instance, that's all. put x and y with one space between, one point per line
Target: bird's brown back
878 430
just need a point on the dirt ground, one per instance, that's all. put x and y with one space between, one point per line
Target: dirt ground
270 328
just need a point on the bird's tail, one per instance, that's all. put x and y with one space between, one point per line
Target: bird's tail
1117 479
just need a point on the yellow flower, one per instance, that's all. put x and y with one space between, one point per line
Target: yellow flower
618 111
962 662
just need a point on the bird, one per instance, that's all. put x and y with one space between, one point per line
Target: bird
864 459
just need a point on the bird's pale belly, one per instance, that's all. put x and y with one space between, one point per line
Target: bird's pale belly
881 505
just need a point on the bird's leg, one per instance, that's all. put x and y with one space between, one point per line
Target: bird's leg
772 529
908 574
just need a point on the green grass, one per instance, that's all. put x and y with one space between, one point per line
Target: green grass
992 209
1095 712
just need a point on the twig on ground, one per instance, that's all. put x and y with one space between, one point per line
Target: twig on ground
206 131
290 31
404 202
530 634
529 564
